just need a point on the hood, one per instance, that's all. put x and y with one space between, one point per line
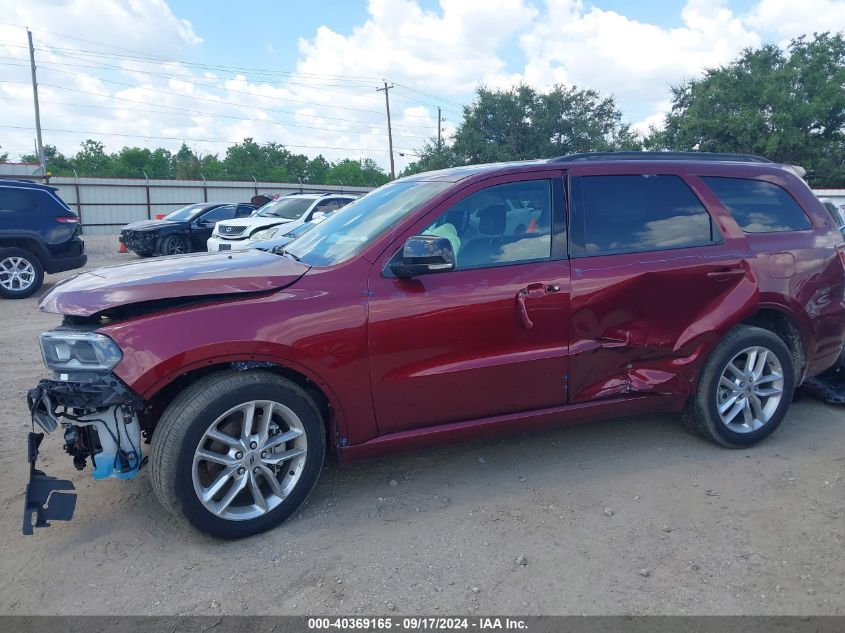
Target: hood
253 222
182 276
148 225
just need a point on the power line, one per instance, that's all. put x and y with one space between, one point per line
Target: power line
218 101
190 113
69 52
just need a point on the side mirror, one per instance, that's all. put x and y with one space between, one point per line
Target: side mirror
318 216
424 255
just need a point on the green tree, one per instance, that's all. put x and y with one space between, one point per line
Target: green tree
521 123
186 164
351 172
788 106
432 157
138 161
317 170
92 159
57 163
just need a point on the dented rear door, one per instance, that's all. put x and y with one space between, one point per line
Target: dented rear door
658 274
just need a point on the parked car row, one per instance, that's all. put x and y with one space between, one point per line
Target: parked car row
440 307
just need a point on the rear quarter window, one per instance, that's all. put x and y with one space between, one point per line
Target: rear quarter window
759 206
16 200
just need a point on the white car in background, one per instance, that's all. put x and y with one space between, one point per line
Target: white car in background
240 233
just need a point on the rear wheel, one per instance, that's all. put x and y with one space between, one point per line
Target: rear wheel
21 273
745 388
173 245
236 453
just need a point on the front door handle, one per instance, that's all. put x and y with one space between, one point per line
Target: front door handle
526 321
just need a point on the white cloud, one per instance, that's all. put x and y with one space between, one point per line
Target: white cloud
787 20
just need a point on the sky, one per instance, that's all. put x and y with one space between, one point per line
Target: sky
157 73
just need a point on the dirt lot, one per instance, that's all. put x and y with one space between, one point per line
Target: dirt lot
633 516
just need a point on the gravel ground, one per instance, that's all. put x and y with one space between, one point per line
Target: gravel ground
632 516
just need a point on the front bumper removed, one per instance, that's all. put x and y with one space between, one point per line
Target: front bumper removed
99 415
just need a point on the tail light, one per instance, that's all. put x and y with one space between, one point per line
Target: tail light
69 220
160 216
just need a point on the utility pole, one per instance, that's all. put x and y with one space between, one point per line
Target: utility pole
439 138
41 157
389 130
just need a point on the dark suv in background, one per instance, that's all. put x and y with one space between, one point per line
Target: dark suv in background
38 233
444 306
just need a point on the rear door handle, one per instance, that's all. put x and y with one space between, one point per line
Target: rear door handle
724 274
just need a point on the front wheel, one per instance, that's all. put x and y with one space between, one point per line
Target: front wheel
745 388
237 453
174 245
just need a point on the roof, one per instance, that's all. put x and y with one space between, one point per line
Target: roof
456 174
25 184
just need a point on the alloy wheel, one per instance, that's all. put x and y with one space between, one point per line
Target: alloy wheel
176 247
750 390
16 273
249 460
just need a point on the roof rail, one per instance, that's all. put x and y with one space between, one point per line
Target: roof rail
660 156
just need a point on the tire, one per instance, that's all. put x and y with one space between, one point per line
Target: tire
178 474
173 245
765 412
21 273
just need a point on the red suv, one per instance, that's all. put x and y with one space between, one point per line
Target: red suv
447 306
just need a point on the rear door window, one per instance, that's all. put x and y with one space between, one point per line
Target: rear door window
759 206
220 213
636 213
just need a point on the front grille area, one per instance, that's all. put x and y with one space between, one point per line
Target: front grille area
139 240
230 231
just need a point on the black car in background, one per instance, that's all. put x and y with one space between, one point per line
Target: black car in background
183 231
38 233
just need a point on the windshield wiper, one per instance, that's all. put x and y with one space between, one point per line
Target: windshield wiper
289 254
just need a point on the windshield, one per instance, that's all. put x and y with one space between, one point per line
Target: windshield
288 208
304 228
186 214
344 234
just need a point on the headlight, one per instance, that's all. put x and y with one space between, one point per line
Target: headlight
75 351
266 234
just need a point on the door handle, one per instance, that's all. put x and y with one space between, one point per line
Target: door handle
724 274
526 321
533 291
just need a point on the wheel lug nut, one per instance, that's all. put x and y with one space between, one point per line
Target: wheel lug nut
256 470
241 470
263 454
253 444
239 455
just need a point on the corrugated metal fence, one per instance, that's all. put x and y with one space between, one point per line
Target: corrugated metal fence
106 204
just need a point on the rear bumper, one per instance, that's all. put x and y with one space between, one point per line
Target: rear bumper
72 256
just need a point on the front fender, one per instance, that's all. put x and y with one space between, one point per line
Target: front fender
317 334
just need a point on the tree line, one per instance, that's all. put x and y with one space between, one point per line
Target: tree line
787 105
269 162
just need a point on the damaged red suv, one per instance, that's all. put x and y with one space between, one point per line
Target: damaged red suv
445 306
